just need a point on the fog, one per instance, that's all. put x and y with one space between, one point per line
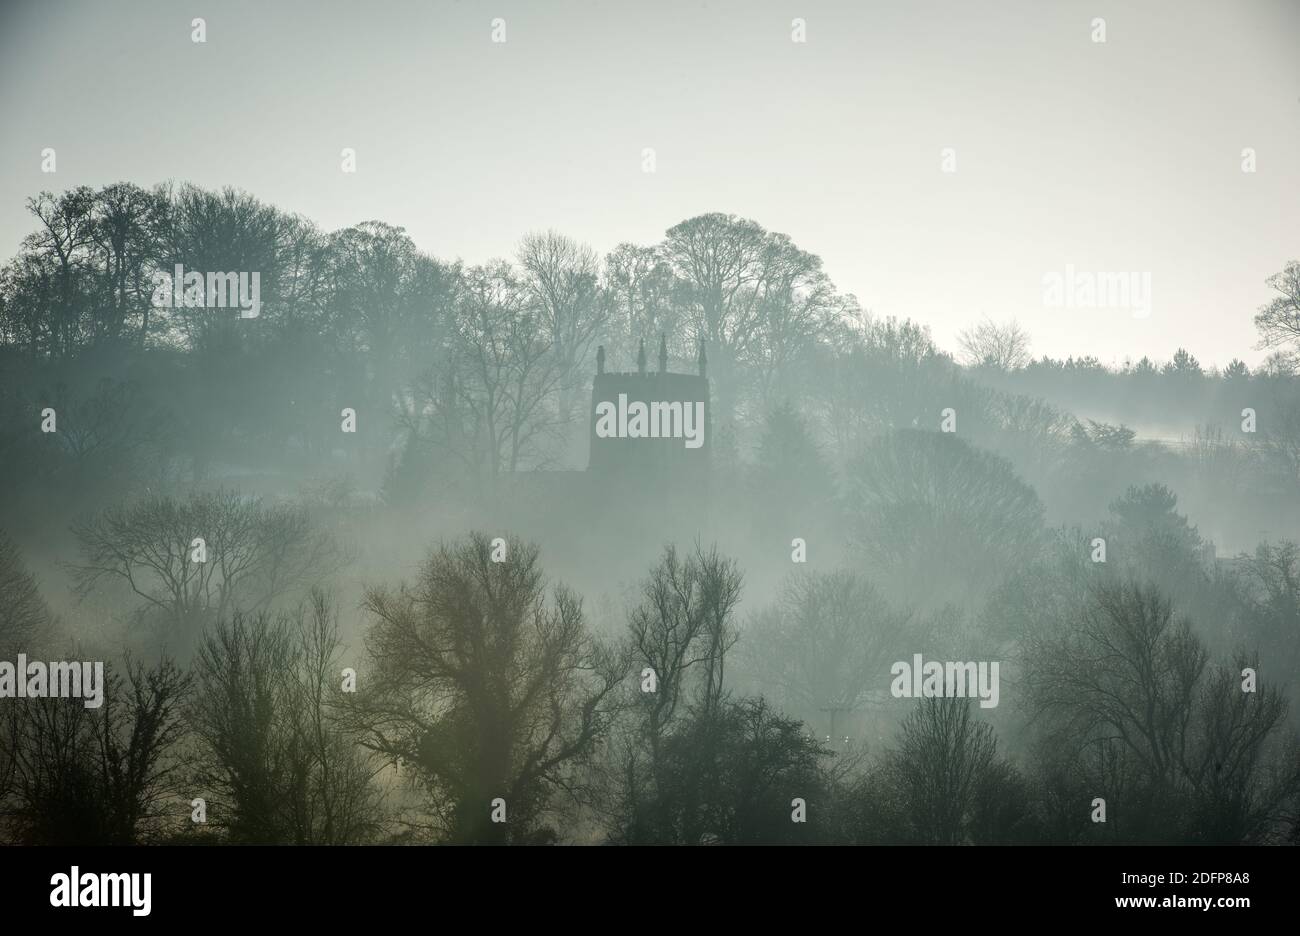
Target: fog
412 550
680 423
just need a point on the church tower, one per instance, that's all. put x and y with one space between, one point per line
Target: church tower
650 426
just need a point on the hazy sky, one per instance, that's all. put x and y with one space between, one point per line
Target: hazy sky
1122 156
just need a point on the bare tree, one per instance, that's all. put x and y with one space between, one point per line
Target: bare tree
799 310
58 250
388 302
486 689
127 224
493 403
730 779
683 629
1278 320
273 748
946 783
822 646
25 620
681 632
877 374
1279 440
1270 592
1243 772
721 258
640 290
106 776
919 501
562 279
1002 347
250 555
242 719
225 230
753 297
1128 690
112 433
1127 670
721 263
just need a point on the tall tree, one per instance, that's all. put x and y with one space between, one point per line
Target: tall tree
389 302
273 748
492 402
104 776
681 632
562 280
486 689
127 226
641 292
1278 320
943 782
58 249
722 262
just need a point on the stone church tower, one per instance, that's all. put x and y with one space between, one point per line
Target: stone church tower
669 400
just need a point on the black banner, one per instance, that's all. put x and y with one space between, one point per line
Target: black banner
367 885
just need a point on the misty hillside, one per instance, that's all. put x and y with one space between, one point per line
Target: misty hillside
375 550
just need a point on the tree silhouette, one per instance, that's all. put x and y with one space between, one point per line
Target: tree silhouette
105 776
274 755
485 689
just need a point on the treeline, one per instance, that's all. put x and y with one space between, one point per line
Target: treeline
487 361
189 471
1172 401
487 709
1173 397
461 377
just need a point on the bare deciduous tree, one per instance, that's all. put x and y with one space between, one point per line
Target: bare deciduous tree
486 689
1278 320
681 632
492 404
254 554
58 250
105 776
753 297
921 501
640 290
25 619
945 782
822 647
562 279
268 719
1003 347
683 629
1129 691
1270 580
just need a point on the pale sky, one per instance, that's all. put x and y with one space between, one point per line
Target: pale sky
1116 156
